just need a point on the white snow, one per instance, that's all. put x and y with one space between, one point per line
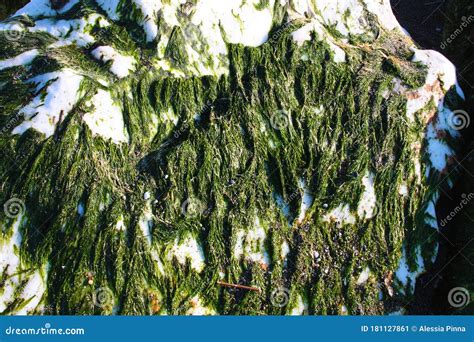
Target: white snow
43 113
149 9
285 250
106 119
306 201
198 309
33 291
303 34
383 10
121 65
344 310
404 273
189 249
146 221
363 276
22 59
240 20
368 200
430 214
403 189
438 150
239 244
36 8
341 214
111 7
439 67
43 8
251 244
300 307
70 31
120 225
16 273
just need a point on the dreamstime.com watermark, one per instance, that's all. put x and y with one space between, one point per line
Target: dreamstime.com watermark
46 330
465 23
459 297
464 202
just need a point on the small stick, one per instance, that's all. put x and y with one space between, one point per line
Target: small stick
237 286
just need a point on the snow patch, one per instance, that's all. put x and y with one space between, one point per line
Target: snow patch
198 309
368 200
251 244
341 214
306 201
44 112
300 307
189 249
363 276
106 119
22 59
404 273
121 65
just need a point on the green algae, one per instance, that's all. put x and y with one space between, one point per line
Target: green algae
232 159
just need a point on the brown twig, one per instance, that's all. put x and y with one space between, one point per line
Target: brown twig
237 286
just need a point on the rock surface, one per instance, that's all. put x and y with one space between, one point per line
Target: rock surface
151 150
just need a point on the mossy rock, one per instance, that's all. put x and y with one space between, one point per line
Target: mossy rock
152 155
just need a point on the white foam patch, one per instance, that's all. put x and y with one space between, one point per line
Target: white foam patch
106 119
